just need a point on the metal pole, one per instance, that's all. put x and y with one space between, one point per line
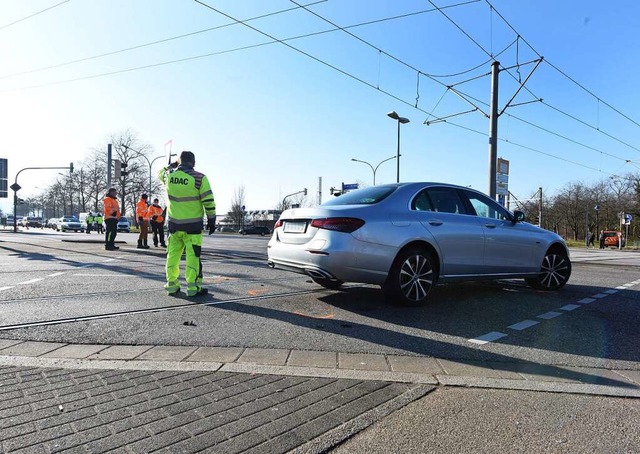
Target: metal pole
586 230
397 157
540 209
493 129
108 166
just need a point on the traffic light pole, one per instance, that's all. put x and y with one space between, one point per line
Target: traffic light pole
16 187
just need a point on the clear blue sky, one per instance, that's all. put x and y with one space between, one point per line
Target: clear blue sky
274 120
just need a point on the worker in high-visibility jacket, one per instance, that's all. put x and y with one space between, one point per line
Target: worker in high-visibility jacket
89 221
111 216
142 214
157 223
99 220
190 197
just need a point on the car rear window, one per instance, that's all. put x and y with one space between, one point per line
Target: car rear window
366 196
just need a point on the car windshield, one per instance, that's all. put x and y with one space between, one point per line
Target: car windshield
366 196
70 220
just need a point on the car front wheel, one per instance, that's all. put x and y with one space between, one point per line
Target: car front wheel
554 272
411 278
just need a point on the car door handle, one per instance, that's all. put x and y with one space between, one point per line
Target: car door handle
490 226
435 222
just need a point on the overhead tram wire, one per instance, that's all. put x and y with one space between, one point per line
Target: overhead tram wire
391 95
557 109
152 43
186 35
560 70
34 14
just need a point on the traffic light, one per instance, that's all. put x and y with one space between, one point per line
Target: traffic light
123 165
117 169
71 167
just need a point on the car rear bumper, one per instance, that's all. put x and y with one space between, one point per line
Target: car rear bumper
341 258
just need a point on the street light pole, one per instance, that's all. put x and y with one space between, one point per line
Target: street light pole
400 120
374 170
139 153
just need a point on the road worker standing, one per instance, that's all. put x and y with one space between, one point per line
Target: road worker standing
99 221
190 197
111 216
157 223
89 220
142 213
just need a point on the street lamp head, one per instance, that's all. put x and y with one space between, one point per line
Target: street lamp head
393 115
403 120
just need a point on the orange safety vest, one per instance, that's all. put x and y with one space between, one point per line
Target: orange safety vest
111 205
156 210
142 210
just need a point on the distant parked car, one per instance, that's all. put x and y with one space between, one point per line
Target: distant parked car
255 230
124 225
67 223
225 229
408 237
32 221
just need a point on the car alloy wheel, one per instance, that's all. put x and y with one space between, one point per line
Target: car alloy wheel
554 272
411 278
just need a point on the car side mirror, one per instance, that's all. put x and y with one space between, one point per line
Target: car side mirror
518 216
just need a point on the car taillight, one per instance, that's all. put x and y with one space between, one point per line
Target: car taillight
346 225
278 224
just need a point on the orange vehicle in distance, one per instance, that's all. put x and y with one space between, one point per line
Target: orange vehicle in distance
611 238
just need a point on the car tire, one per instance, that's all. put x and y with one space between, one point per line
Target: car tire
555 272
328 283
411 278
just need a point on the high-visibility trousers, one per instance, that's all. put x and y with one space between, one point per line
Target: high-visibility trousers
191 244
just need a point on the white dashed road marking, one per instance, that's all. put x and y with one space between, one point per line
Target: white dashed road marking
6 288
586 300
599 295
523 325
549 315
621 287
56 274
569 307
32 281
486 338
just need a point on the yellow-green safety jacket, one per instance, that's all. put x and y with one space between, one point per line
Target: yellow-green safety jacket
190 198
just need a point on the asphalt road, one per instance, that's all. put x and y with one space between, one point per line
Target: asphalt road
44 279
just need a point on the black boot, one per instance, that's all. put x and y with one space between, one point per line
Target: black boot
140 244
146 246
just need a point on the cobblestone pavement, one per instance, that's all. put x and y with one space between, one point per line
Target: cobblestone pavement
63 410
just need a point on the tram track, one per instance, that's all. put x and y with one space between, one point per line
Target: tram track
83 318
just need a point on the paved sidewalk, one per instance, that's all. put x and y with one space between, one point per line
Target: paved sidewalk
57 397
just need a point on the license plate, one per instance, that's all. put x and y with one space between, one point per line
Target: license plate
295 227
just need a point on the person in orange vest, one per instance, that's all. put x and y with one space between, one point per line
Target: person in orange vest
111 216
156 213
142 213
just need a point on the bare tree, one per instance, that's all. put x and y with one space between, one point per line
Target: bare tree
237 214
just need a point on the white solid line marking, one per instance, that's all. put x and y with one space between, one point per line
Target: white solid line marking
56 274
6 288
569 307
486 338
621 287
523 325
599 295
631 284
611 292
550 315
109 260
586 300
103 275
38 279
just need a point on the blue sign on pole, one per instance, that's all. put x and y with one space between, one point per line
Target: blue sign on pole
628 217
349 187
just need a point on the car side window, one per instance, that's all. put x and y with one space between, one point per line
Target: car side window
446 200
487 208
421 202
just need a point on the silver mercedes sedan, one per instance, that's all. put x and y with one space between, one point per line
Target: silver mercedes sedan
408 237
